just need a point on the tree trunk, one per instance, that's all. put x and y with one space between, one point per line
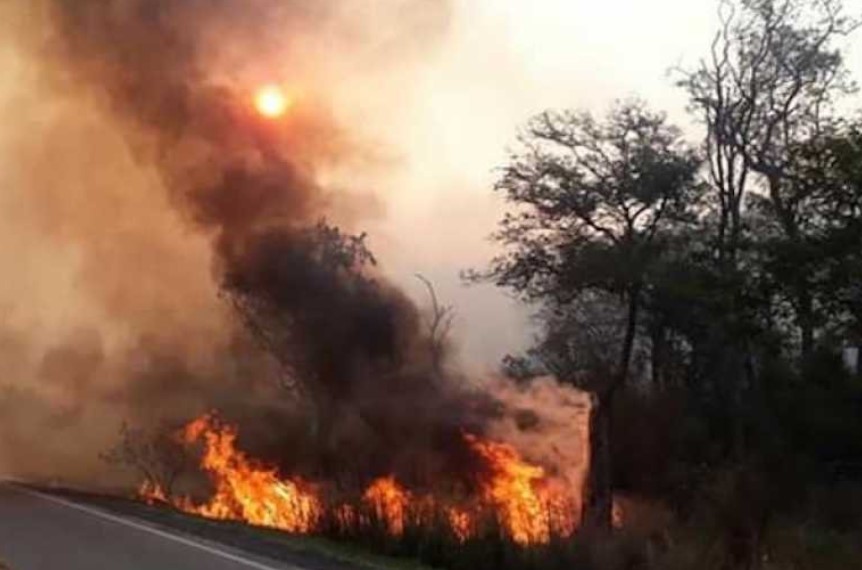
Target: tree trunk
737 402
599 505
628 340
598 512
805 320
804 303
657 351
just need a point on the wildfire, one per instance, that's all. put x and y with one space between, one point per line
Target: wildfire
152 493
518 490
516 493
244 490
389 501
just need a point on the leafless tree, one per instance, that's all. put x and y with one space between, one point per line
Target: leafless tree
439 325
769 82
155 453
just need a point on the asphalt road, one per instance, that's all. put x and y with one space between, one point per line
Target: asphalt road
44 532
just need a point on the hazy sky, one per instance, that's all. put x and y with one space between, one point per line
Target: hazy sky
443 121
506 60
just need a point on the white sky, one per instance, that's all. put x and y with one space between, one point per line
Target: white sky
509 59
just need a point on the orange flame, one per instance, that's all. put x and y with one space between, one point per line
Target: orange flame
527 508
247 491
461 521
389 501
519 491
152 493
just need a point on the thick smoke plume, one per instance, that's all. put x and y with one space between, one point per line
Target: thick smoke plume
205 238
343 339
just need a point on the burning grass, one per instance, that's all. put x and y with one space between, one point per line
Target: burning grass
512 499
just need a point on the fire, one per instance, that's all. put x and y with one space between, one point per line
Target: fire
244 490
271 101
517 494
389 501
152 493
519 491
462 522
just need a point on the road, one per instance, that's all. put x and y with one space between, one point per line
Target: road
44 532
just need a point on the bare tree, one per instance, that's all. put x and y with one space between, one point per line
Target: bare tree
155 453
768 83
439 326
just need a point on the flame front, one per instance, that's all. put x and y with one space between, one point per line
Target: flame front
518 495
244 490
389 501
519 491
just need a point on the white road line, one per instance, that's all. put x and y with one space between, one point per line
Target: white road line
152 530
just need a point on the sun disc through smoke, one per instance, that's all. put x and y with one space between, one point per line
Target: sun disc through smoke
271 101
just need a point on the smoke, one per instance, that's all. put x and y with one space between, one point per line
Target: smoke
550 424
167 196
177 252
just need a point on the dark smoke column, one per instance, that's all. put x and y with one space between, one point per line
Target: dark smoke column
350 343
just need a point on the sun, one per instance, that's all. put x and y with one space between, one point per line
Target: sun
271 101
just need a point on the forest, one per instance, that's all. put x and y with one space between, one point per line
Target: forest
708 292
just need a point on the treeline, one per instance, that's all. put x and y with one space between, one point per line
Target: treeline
707 292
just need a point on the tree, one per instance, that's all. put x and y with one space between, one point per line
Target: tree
592 203
828 177
157 454
439 326
575 340
307 300
768 84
